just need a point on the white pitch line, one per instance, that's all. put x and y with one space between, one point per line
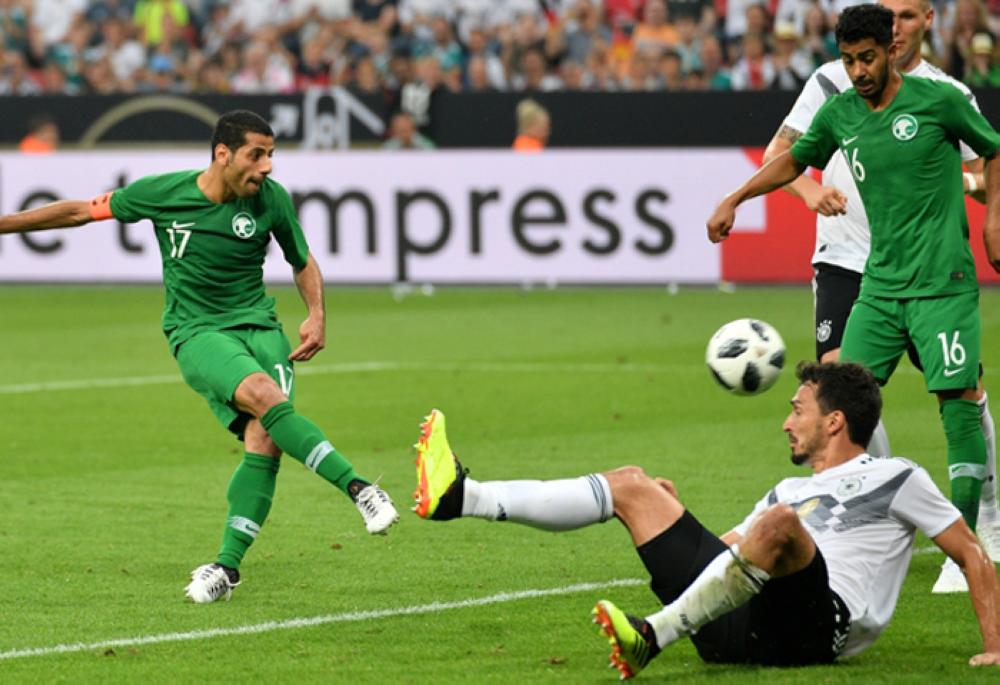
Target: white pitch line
294 623
331 369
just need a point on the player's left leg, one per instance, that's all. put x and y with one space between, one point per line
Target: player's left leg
946 332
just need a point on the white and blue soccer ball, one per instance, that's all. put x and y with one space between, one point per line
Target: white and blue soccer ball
745 356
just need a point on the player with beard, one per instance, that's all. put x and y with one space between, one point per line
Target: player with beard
813 573
843 237
899 136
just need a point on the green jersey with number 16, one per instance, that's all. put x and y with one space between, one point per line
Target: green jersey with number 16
213 254
908 168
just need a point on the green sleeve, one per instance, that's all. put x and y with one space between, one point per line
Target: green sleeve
137 201
961 119
287 230
819 143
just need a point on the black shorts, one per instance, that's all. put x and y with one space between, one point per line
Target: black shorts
796 620
835 290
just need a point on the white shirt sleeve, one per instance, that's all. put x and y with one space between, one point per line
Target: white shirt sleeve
761 505
808 103
921 504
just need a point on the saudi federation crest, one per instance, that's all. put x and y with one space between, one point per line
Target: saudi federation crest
244 225
904 127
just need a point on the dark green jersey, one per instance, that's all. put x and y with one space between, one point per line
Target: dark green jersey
213 254
907 165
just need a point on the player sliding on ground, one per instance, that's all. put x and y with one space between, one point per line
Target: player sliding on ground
813 573
900 136
213 228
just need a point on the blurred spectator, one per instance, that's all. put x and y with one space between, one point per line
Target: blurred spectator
534 73
583 31
477 48
15 79
573 75
42 137
792 63
158 19
14 25
669 71
533 126
970 19
655 31
313 69
364 77
403 134
622 15
688 44
983 70
700 12
714 72
819 39
52 19
754 70
263 71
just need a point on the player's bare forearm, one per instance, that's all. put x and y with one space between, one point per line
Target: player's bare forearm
312 332
961 544
772 175
782 142
991 228
62 214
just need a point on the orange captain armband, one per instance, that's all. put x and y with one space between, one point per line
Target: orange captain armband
100 207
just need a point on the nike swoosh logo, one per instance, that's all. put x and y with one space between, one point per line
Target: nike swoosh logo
177 225
847 141
948 373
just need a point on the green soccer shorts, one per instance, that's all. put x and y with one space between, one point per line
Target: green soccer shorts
946 332
214 363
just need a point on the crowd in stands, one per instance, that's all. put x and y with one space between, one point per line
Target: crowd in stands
402 49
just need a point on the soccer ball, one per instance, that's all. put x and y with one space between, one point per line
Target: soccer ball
745 356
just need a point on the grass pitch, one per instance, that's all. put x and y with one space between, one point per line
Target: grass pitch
114 476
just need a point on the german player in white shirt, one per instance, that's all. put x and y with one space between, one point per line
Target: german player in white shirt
812 574
843 237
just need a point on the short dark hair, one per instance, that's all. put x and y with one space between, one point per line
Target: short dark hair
232 127
848 388
865 21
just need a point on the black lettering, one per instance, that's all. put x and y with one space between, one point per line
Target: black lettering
123 238
664 229
590 211
476 202
333 211
405 246
39 197
520 221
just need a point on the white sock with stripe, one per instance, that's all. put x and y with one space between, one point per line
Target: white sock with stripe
546 504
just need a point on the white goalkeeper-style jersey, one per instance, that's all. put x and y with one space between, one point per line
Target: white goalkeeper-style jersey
863 516
845 240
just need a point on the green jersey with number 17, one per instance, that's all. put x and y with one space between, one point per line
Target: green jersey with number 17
908 168
213 254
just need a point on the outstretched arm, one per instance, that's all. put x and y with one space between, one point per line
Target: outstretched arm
62 214
960 543
772 175
824 200
312 332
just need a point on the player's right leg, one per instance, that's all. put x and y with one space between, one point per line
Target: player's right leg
988 523
444 491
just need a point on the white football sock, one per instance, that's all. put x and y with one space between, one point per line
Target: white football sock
878 446
728 581
546 504
988 499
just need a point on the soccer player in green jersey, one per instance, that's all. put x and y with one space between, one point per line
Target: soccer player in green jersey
899 135
213 227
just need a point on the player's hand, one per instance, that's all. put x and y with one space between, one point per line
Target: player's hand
721 221
826 201
667 485
985 659
312 337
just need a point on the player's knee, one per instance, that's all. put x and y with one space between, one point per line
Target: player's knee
776 527
257 441
258 393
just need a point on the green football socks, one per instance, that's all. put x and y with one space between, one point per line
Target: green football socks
966 455
302 439
250 492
